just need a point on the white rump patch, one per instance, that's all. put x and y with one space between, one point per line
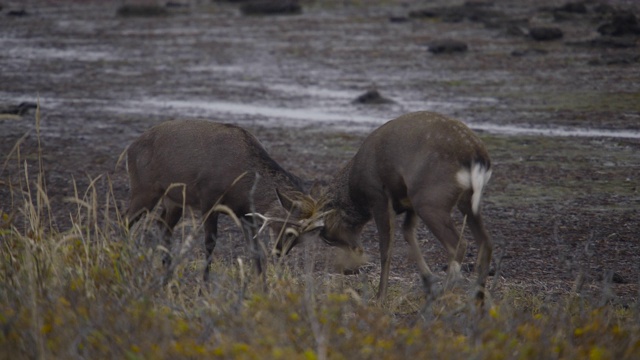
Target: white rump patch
474 179
464 178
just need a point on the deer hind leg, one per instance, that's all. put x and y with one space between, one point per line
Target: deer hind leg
384 217
409 232
436 214
483 241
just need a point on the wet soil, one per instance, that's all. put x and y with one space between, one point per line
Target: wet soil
558 207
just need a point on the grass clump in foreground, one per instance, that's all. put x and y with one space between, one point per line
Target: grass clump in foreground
90 292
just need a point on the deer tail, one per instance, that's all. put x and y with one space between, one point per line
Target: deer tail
480 175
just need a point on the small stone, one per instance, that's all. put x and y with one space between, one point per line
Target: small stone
618 279
141 11
573 7
545 33
396 19
528 52
17 13
19 109
271 7
623 23
447 46
372 97
176 4
608 42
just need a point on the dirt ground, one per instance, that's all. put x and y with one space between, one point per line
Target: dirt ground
561 118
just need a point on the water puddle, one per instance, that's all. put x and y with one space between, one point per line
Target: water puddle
556 132
35 53
279 116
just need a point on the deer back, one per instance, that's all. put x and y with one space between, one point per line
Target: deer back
415 151
215 161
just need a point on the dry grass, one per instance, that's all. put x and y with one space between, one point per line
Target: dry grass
95 291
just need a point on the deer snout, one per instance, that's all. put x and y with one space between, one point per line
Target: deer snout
349 260
346 240
288 239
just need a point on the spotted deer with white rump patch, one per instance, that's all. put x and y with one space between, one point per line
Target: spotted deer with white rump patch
421 164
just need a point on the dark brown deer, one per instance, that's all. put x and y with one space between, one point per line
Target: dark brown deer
207 165
421 164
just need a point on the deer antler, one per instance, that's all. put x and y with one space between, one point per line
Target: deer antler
312 223
265 221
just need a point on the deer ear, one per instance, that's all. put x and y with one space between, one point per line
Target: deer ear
285 201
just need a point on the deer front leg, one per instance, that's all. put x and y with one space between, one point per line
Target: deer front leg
170 217
256 249
384 218
210 236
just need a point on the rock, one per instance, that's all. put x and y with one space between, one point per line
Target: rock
569 11
615 278
514 28
447 46
469 268
478 3
629 59
447 14
398 19
573 7
372 97
19 109
618 279
608 42
18 13
622 23
604 9
472 11
545 33
141 11
176 4
528 52
271 7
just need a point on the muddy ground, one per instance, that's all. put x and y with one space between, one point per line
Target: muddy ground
561 118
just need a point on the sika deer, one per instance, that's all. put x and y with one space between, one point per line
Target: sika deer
215 164
420 164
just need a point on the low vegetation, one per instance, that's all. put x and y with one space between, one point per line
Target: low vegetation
93 291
